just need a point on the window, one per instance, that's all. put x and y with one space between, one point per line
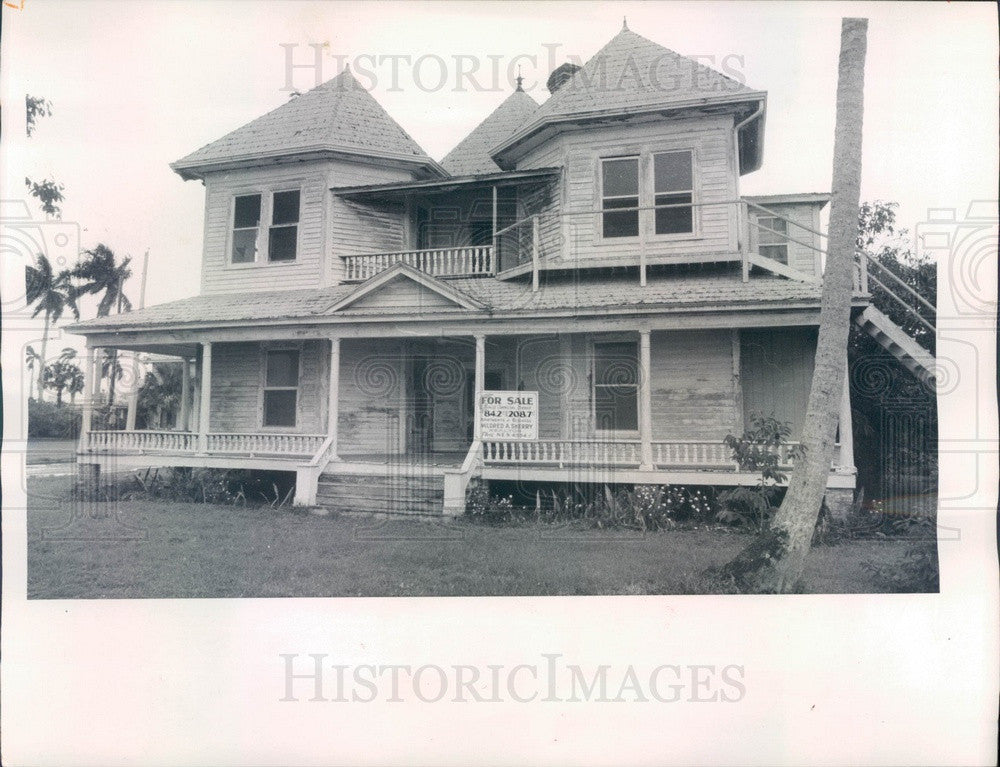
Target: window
620 189
284 226
250 211
673 185
772 238
246 219
616 386
281 387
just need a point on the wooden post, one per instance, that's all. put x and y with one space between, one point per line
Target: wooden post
846 424
734 335
333 395
535 244
88 396
480 383
205 403
185 415
645 401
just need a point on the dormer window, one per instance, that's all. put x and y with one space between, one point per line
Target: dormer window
620 196
250 211
673 191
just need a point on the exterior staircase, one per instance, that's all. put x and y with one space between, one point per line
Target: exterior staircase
382 493
897 342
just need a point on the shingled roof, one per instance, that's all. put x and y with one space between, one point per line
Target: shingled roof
338 116
723 289
631 74
472 155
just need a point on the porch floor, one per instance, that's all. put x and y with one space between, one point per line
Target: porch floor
444 460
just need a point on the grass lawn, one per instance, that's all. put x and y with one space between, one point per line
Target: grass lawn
158 549
50 451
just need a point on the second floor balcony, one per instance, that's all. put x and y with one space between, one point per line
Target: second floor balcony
517 224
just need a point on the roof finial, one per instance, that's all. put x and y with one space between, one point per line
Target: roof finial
624 24
519 78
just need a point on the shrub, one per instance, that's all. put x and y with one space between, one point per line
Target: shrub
758 450
187 485
46 420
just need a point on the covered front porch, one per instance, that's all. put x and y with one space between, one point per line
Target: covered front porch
628 406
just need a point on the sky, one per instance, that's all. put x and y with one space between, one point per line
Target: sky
135 85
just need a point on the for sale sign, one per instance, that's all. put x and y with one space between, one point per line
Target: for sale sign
505 415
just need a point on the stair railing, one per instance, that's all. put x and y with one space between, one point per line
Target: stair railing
457 480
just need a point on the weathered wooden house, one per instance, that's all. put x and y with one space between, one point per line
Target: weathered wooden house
593 253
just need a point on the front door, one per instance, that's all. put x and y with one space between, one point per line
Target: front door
437 415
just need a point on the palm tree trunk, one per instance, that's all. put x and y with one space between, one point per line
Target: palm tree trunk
41 362
774 561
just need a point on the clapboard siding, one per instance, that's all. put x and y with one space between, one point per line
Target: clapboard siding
238 387
804 254
328 226
776 373
358 228
715 182
692 393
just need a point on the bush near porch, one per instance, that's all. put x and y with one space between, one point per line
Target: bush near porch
167 549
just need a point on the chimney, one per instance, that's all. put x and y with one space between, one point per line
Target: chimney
560 75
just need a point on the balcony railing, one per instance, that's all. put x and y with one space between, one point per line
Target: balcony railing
175 442
467 261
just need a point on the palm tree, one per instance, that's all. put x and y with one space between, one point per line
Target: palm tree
51 294
75 385
101 273
31 359
60 375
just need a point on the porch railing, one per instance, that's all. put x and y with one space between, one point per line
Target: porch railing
712 456
142 441
563 451
265 444
467 261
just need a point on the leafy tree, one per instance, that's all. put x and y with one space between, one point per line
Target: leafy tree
884 241
49 193
51 294
60 376
37 107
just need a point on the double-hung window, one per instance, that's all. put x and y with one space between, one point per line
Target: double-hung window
673 192
620 197
246 224
275 213
616 386
281 387
772 238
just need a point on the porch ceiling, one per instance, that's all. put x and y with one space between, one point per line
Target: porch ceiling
441 186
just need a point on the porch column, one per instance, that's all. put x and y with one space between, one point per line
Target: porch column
480 383
185 414
333 395
206 396
645 402
88 395
133 396
846 430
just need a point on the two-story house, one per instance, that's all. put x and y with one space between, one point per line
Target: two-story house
594 251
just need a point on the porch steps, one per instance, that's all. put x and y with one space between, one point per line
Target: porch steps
897 342
381 493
